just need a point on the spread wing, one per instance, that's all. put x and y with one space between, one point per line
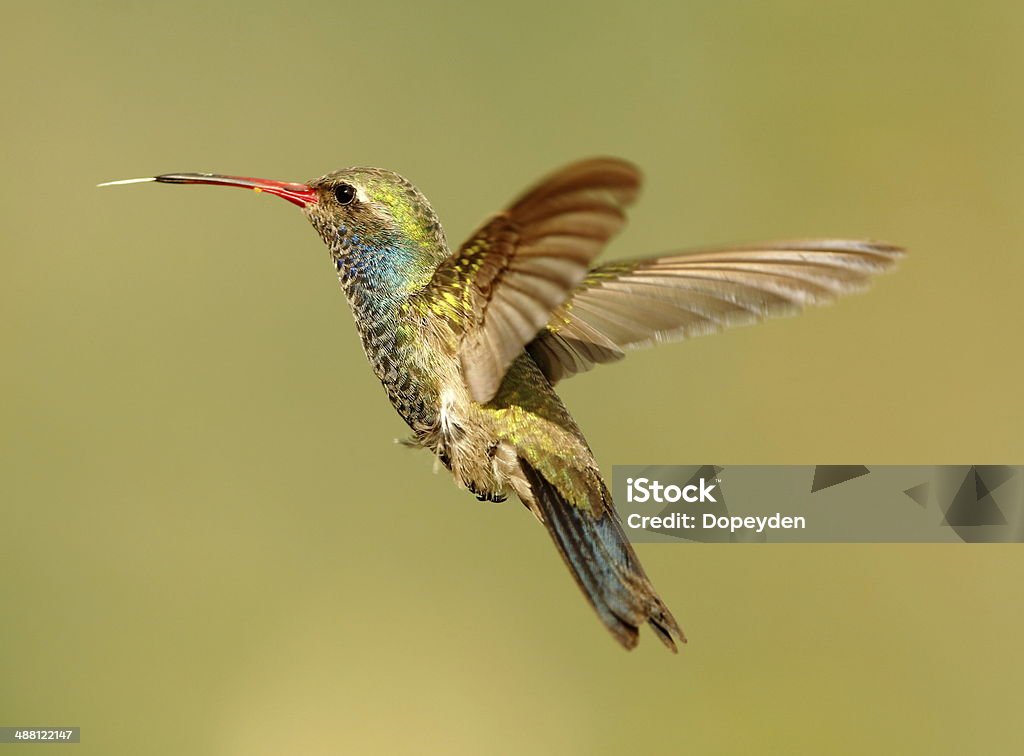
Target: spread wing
629 305
502 286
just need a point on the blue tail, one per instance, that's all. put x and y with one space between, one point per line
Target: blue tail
605 566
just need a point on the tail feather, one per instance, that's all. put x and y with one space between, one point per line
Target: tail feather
605 566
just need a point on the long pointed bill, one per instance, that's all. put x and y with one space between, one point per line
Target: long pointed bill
297 194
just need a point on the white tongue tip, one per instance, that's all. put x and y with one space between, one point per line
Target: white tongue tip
127 181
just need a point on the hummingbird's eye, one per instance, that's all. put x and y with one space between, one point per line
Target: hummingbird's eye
344 193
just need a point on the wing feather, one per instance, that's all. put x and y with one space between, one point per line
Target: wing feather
503 285
630 305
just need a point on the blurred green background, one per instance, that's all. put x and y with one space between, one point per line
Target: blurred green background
209 543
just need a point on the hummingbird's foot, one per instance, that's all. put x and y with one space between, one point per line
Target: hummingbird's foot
495 496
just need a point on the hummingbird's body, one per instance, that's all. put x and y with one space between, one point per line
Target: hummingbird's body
468 346
411 334
411 341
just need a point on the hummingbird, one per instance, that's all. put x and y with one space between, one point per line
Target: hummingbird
469 345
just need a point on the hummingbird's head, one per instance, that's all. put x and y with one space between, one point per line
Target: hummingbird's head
364 214
382 233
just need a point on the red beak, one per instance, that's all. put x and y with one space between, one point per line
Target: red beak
297 194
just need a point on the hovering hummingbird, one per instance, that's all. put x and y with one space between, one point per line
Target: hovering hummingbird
469 345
